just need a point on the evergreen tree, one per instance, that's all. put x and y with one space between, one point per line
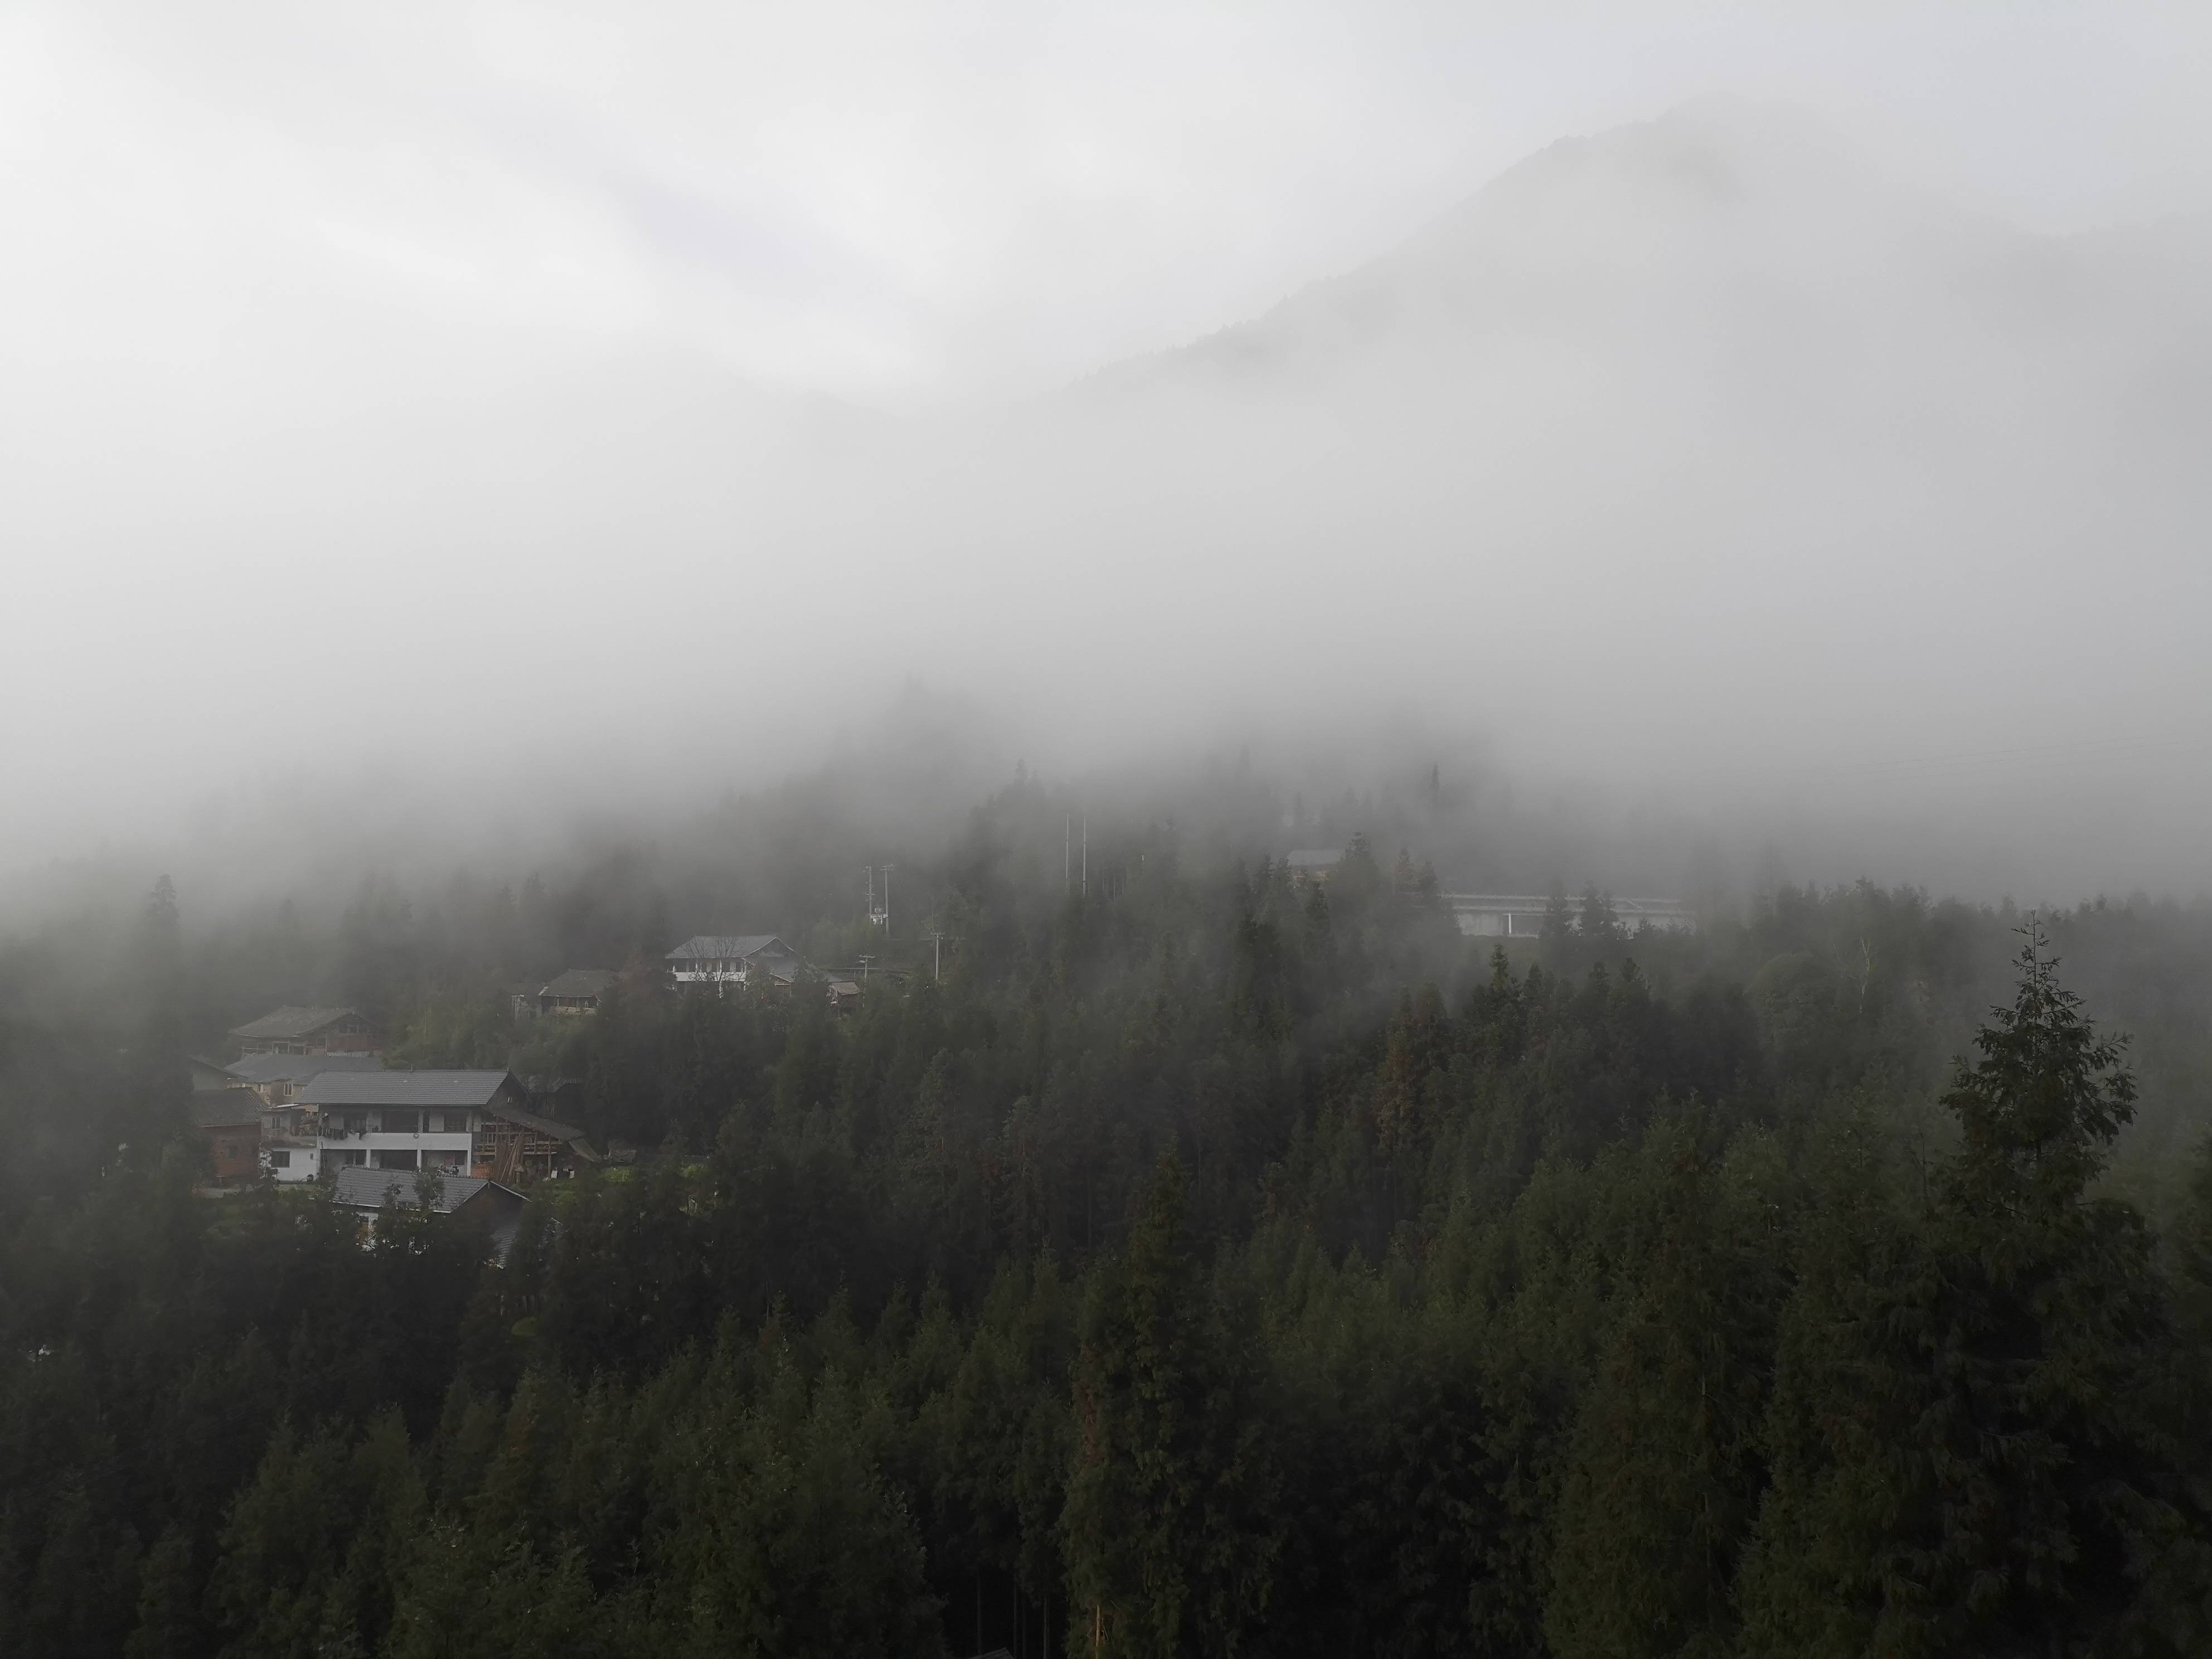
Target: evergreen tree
1170 1531
1968 1452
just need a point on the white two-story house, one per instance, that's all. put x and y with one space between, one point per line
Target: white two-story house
398 1120
722 959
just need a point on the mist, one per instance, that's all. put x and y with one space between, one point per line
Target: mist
991 830
410 427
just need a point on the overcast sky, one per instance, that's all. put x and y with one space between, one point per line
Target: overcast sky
376 379
913 200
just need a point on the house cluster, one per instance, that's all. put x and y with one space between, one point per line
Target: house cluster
309 1097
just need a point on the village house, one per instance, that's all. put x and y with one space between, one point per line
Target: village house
290 1030
576 992
721 959
394 1120
486 1206
473 1123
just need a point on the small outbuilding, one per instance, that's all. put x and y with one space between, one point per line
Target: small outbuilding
576 992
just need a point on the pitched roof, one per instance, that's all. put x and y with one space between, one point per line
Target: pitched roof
223 1109
291 1022
271 1068
551 1128
739 946
208 1074
358 1187
579 982
401 1088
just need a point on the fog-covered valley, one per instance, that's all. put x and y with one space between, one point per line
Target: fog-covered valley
991 830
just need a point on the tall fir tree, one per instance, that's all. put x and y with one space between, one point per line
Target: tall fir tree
1970 1446
1169 1528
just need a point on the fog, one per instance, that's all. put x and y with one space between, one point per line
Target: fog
443 428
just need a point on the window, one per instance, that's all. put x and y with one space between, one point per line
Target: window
340 1155
388 1159
401 1123
280 1160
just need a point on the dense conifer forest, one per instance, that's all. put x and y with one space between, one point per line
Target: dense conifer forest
1205 1264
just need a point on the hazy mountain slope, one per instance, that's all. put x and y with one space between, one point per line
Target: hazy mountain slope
1698 461
1702 454
1723 226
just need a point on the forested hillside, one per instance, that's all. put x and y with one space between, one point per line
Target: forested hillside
1207 1264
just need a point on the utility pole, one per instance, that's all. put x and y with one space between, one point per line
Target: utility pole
1086 855
864 961
937 940
1067 854
887 901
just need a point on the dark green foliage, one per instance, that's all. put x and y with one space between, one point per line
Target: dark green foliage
1972 1449
1168 1527
1207 1264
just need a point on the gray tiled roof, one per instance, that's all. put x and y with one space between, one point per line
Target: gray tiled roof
291 1022
270 1068
551 1128
714 946
360 1189
223 1108
579 982
401 1088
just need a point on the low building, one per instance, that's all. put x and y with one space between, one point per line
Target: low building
398 1122
721 959
487 1206
1520 916
518 1144
290 1030
229 1120
576 992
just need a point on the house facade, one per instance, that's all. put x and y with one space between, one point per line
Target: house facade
723 959
1520 916
399 1122
302 1030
